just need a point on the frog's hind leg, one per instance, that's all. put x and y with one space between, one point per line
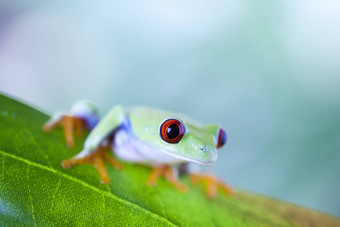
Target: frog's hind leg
170 175
156 173
96 159
69 124
80 126
84 115
211 184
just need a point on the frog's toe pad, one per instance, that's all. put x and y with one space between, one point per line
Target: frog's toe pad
211 184
96 159
169 173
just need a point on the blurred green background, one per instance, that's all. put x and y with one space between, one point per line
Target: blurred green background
269 72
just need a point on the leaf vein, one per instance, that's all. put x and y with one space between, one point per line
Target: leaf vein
3 168
29 136
103 217
29 192
54 194
98 190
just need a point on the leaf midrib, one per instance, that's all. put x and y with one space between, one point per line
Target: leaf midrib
98 190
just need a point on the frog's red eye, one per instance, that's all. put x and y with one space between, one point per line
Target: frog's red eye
171 130
222 138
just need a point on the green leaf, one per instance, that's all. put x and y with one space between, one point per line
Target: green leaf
36 191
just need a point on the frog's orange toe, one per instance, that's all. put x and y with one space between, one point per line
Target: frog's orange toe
168 172
104 178
66 164
211 184
69 123
151 183
96 159
113 161
182 187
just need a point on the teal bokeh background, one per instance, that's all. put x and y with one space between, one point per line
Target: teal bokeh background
269 72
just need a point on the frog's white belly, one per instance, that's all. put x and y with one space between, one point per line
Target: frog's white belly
131 149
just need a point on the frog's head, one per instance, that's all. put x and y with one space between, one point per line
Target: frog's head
192 142
182 137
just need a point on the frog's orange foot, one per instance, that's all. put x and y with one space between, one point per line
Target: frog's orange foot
168 172
96 159
211 184
70 124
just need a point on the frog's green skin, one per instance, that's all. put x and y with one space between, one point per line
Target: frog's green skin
136 137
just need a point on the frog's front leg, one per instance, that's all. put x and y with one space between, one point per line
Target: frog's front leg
211 184
97 159
169 173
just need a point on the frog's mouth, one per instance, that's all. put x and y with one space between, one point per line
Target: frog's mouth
200 162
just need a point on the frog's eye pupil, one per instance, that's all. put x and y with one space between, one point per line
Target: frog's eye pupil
172 130
222 138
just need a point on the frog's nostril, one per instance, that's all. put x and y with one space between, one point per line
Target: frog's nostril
202 148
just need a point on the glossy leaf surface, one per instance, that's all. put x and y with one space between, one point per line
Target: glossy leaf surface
36 191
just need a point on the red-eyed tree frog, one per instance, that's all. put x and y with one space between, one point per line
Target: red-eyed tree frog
160 139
